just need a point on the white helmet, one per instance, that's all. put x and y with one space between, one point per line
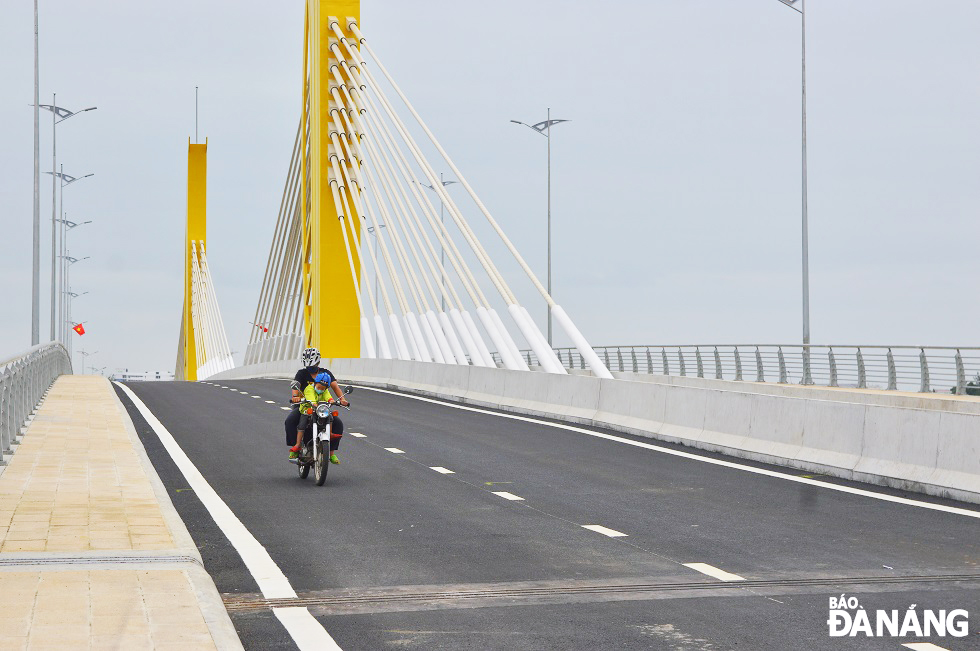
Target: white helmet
311 357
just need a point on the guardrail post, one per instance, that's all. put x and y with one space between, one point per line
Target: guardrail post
697 353
581 361
528 353
960 375
807 377
718 373
783 379
680 357
605 353
619 356
738 365
649 361
833 366
892 373
923 372
862 372
760 373
636 366
663 354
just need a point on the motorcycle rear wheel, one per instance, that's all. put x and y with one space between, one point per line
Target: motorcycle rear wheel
303 468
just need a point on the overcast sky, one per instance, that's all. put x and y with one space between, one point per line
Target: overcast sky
676 185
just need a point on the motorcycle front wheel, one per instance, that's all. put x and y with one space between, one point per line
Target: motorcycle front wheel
321 463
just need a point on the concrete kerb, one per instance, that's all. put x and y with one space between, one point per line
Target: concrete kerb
212 607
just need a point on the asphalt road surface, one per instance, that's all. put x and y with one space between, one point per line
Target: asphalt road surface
450 528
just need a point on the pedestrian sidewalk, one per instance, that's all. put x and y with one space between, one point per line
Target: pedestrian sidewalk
92 552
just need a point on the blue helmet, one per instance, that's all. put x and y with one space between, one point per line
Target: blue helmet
323 378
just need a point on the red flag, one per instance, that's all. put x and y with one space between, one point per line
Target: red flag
80 329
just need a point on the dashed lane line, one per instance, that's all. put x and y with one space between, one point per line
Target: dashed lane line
443 471
271 402
605 531
395 450
924 646
695 457
508 496
358 435
711 570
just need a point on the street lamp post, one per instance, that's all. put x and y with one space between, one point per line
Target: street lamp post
56 113
799 6
442 249
66 179
67 323
67 226
36 270
69 296
544 128
85 355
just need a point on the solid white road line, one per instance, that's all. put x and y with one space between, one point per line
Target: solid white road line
508 496
270 579
605 531
395 450
444 471
358 435
711 570
696 457
306 632
924 646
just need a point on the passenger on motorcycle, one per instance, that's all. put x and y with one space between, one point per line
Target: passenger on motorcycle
304 379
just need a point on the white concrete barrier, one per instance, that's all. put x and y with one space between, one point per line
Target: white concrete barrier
928 444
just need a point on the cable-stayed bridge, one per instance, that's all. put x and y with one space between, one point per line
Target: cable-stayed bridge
494 492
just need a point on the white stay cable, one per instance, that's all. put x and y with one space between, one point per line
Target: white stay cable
340 202
363 207
547 356
415 339
223 349
493 326
353 222
400 210
472 340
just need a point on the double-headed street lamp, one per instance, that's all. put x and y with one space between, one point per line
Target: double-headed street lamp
442 249
544 128
58 114
85 355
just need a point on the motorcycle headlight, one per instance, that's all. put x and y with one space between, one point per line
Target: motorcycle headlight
322 411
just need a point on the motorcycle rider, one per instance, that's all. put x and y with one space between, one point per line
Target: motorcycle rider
304 378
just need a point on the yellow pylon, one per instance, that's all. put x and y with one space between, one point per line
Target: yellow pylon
331 315
197 184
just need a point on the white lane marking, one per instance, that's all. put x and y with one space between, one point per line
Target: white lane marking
695 457
441 470
223 386
711 570
924 646
257 396
605 531
307 633
395 450
270 579
285 408
244 393
508 496
271 402
358 435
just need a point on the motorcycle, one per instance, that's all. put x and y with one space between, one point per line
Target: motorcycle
315 452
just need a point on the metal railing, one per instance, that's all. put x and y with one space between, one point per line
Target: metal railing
23 380
923 369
